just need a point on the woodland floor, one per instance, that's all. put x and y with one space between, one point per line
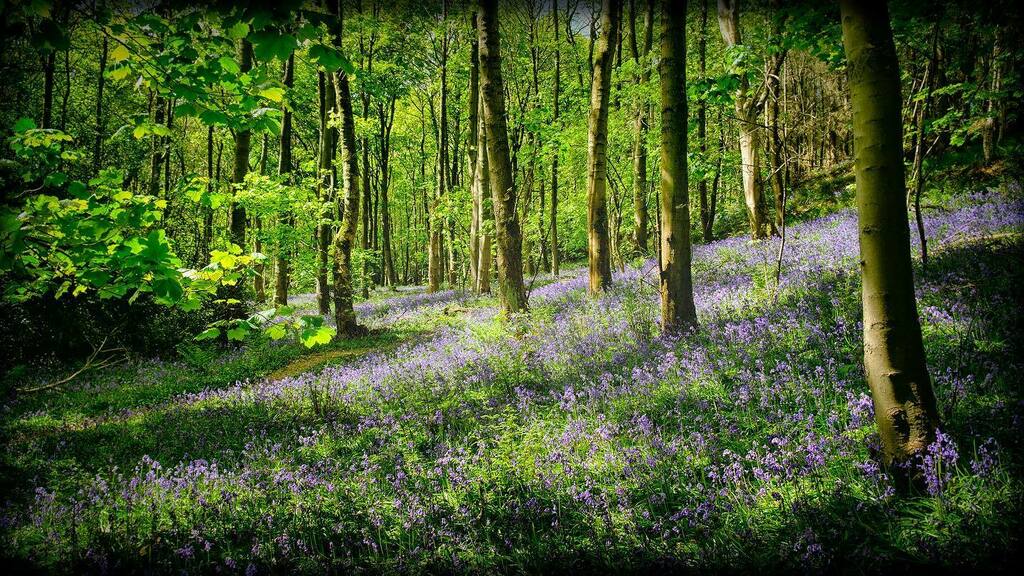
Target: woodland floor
454 439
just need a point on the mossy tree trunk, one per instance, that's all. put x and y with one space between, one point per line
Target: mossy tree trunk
284 167
598 243
503 193
345 237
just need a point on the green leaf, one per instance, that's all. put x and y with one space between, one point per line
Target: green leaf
268 44
312 336
24 124
330 58
276 332
274 93
238 31
208 334
120 53
238 333
229 65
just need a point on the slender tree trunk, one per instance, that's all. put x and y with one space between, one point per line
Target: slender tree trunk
326 190
483 281
49 64
919 149
97 147
503 192
387 121
554 155
472 153
345 238
640 232
702 124
598 244
241 165
259 281
894 358
156 155
434 264
207 212
284 168
746 113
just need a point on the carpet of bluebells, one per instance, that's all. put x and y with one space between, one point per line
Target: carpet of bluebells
575 436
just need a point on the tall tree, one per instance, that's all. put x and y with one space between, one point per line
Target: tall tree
472 154
640 51
598 244
512 292
345 237
241 165
434 248
747 104
97 146
894 359
677 308
556 89
284 168
325 189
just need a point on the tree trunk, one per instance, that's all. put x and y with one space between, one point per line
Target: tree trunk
49 64
387 121
554 155
284 168
677 308
746 113
894 358
241 165
434 264
345 238
598 244
472 153
156 155
503 193
97 147
640 54
326 192
702 125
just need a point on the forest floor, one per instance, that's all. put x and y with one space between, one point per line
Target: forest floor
457 439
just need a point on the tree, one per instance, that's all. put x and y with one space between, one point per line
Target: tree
556 90
640 54
894 360
241 163
747 104
511 290
598 244
345 237
677 308
284 168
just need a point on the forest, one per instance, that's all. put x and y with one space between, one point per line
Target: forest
511 286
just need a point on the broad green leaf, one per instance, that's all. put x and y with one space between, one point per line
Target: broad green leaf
312 336
229 65
274 93
276 332
238 31
238 333
208 334
120 53
24 124
268 44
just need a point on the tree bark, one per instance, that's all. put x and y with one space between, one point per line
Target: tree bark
598 244
284 168
746 113
554 155
434 264
241 162
510 265
97 147
640 232
894 358
677 308
472 153
345 238
325 192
